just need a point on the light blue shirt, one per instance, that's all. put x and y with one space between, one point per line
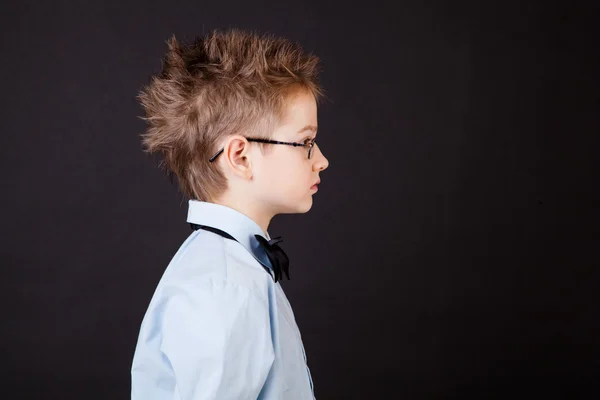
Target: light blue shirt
218 326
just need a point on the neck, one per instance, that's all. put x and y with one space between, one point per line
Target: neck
249 209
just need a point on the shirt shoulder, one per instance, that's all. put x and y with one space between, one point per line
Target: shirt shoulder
207 258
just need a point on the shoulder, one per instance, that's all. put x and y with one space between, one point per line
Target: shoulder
206 260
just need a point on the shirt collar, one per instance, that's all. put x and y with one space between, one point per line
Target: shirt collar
238 225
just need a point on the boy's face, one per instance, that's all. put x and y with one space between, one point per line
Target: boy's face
285 176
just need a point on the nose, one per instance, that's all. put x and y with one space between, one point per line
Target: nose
321 163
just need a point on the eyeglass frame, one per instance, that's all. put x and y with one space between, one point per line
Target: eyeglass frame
310 145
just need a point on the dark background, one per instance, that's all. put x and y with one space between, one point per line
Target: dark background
453 247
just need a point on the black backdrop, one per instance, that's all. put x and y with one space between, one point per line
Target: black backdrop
452 249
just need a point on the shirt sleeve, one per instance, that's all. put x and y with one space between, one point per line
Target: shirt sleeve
217 338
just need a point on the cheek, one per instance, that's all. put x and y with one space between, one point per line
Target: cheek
287 176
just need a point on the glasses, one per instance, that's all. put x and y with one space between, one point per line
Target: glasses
308 143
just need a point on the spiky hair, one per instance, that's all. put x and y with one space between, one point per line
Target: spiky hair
227 82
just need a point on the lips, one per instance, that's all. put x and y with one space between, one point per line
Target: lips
316 183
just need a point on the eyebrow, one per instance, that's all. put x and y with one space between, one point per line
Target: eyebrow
307 128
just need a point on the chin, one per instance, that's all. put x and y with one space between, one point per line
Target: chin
307 206
299 207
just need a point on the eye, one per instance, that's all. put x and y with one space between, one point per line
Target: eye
307 141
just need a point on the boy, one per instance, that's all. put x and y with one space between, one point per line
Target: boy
234 117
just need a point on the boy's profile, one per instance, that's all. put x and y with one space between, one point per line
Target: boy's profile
233 116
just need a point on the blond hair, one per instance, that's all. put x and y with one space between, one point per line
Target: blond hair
221 84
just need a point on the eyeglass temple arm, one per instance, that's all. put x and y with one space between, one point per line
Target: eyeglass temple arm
262 141
216 155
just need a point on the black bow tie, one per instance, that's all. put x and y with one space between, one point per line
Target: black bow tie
279 260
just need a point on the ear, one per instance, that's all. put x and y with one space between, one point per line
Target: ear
237 156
